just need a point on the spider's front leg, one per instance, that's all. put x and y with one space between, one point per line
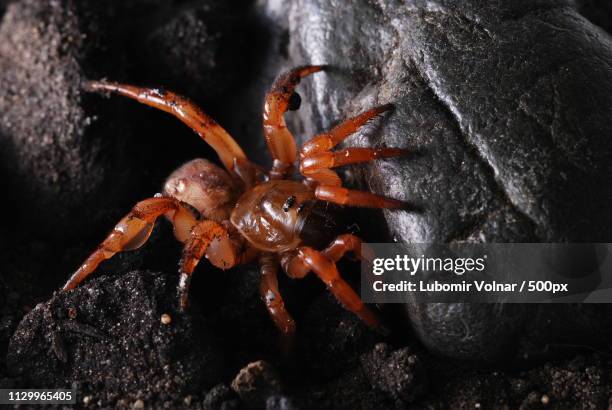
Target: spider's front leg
134 230
230 153
317 161
199 242
280 98
200 238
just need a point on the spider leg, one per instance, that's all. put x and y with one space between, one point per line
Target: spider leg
307 259
317 166
344 243
317 161
363 199
133 231
347 243
278 100
328 140
271 296
228 150
201 236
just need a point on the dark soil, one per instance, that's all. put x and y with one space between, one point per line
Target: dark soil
72 164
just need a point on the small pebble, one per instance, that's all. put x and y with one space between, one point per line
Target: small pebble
187 400
255 382
138 404
545 400
166 319
86 400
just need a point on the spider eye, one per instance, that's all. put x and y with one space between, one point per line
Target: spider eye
294 102
289 203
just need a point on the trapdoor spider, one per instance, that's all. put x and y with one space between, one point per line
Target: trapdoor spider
240 214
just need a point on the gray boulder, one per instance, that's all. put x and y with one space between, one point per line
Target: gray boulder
507 106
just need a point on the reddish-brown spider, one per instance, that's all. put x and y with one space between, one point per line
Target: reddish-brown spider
242 214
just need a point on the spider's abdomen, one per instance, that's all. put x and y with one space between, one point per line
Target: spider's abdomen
270 215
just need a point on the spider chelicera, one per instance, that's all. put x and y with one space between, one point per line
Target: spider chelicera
242 213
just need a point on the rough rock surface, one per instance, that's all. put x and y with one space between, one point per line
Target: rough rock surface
4 328
256 382
598 12
506 106
55 154
108 335
192 47
399 373
220 397
334 337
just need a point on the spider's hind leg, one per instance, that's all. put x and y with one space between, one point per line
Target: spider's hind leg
271 296
324 267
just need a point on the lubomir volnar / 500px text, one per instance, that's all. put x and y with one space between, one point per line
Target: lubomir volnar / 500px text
410 265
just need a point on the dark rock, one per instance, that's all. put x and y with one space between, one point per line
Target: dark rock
9 318
351 390
575 383
507 106
220 397
192 47
241 319
578 383
3 291
334 337
399 373
256 382
8 323
278 402
533 401
7 383
108 335
60 155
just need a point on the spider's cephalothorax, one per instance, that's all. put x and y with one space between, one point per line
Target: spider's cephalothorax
241 214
